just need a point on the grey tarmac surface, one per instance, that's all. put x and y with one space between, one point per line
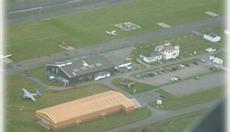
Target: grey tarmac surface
192 70
31 11
118 56
115 44
191 86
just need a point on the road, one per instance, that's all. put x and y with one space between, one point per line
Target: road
115 44
24 12
161 116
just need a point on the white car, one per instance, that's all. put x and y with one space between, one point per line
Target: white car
102 75
174 78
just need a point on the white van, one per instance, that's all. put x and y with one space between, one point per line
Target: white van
102 75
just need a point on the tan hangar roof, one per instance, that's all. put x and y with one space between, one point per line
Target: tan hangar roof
85 106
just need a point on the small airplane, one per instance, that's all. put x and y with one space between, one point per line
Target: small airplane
32 96
5 56
111 32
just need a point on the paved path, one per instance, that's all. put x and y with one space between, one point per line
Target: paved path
114 44
161 116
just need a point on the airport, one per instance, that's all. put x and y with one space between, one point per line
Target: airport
113 65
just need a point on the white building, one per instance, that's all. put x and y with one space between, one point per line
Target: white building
216 60
168 51
212 37
127 66
151 58
165 51
210 50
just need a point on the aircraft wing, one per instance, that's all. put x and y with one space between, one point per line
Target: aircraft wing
29 95
32 98
5 56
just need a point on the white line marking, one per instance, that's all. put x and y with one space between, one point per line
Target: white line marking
25 10
73 1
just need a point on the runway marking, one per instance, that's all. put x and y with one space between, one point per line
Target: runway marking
25 10
212 14
73 1
163 25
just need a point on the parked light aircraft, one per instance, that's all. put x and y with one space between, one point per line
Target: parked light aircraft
32 96
111 32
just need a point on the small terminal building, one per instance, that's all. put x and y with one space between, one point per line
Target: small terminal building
78 111
162 52
79 69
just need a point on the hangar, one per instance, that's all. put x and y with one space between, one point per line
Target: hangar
78 111
80 69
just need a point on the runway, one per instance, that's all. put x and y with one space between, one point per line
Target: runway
19 13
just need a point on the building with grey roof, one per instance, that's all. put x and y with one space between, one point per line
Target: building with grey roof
153 57
81 69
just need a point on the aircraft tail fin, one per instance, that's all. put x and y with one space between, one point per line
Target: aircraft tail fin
39 92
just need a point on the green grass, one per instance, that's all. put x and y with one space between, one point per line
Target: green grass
178 102
140 87
177 124
40 74
20 113
87 28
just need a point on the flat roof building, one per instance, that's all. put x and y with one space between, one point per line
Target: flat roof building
84 109
150 58
211 37
81 68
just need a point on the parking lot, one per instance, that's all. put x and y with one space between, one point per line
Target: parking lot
191 85
175 72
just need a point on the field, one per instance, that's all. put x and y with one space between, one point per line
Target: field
88 28
140 87
177 124
178 102
20 113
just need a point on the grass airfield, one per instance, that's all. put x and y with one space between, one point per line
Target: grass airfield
88 27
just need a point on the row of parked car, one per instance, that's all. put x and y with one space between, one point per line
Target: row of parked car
162 70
